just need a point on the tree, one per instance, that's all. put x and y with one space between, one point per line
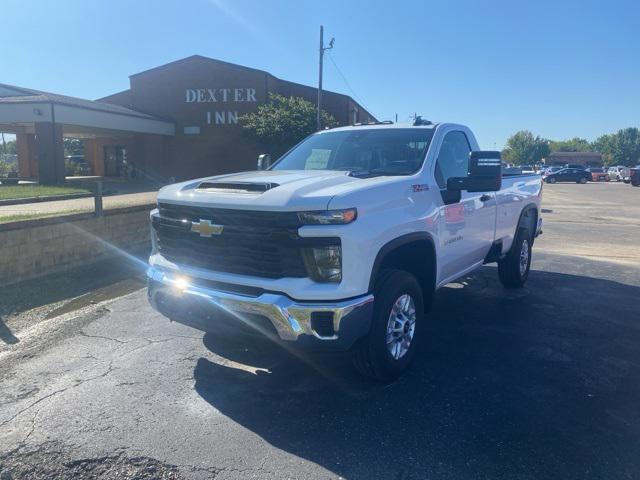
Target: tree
525 149
620 148
282 122
10 147
73 146
574 145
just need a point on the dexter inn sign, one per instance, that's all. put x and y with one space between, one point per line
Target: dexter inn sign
231 97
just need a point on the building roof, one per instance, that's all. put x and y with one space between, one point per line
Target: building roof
201 58
10 94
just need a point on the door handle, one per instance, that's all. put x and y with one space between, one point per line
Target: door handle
485 198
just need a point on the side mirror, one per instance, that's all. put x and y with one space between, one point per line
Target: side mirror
264 161
485 174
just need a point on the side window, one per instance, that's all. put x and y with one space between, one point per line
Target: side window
453 158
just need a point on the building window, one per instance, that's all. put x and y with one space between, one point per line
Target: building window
354 115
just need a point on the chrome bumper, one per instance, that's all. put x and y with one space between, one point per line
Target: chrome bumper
292 320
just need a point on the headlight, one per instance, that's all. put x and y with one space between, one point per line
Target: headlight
328 217
324 264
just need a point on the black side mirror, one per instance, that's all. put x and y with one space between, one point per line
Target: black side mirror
484 175
264 161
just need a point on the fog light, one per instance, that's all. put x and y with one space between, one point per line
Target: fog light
322 324
181 283
324 264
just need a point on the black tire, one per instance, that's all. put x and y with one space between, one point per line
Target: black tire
582 181
551 180
509 269
371 356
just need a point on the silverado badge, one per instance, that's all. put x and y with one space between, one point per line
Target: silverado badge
205 228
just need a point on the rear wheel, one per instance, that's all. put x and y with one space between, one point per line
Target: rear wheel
582 180
551 180
513 270
396 327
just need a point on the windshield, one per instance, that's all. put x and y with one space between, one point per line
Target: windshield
363 151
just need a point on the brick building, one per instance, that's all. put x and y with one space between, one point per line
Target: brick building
176 120
587 159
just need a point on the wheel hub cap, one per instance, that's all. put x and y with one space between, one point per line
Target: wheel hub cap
401 326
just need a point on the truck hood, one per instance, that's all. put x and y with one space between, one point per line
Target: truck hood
284 190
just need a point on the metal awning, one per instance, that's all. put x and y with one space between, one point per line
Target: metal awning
20 108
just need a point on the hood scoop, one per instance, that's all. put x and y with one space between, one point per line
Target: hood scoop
236 187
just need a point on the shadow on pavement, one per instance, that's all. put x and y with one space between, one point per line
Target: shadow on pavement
88 280
538 383
6 335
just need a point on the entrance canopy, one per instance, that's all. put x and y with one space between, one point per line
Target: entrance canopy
40 120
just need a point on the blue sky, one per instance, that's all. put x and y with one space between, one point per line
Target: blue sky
558 68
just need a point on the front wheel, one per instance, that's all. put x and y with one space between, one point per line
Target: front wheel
551 180
582 180
396 327
513 270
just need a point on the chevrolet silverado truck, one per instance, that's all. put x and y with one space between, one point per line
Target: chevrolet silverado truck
341 243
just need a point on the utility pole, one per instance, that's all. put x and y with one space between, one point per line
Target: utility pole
322 49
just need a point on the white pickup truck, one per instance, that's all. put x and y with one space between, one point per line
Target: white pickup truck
341 243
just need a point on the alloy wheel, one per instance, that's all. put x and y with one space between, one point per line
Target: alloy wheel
401 326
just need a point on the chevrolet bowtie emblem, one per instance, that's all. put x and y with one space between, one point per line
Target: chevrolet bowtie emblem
205 228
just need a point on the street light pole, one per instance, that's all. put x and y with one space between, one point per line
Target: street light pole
319 109
322 49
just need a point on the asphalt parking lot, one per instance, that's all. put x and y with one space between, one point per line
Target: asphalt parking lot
530 384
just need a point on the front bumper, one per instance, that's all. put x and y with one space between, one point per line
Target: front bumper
315 325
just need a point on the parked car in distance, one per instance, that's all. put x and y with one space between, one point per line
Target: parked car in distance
552 169
527 169
618 173
578 175
598 174
574 165
76 165
627 178
634 176
11 178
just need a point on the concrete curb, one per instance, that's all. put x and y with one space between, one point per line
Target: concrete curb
62 218
50 198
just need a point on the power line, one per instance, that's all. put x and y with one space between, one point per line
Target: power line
346 82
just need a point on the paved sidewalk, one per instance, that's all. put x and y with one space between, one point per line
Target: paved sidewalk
78 204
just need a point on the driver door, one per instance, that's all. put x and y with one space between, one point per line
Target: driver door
466 225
